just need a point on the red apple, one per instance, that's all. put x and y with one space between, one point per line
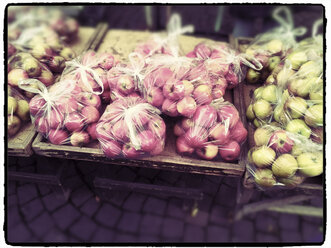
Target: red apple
182 146
92 130
79 138
103 77
91 114
232 79
74 122
230 151
107 61
16 75
228 112
125 84
120 131
158 127
178 130
196 136
188 87
41 125
238 132
134 94
158 148
187 123
46 77
191 54
161 76
187 106
36 105
202 51
208 152
155 97
105 96
280 142
147 140
205 116
218 92
104 131
55 119
174 90
66 105
58 136
219 134
203 94
90 99
169 107
130 152
111 148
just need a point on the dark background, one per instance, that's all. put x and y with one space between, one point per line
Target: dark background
208 20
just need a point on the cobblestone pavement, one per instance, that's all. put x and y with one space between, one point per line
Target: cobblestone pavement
40 213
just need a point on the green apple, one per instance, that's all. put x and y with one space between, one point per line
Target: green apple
252 76
250 113
14 124
273 62
270 80
262 109
275 46
262 136
297 58
296 107
263 156
307 86
258 123
317 92
298 126
264 178
249 156
311 68
258 93
23 110
310 164
296 150
12 105
32 67
280 115
284 166
314 116
269 93
283 77
292 181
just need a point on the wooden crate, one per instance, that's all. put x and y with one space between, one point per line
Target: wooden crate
121 43
20 144
246 91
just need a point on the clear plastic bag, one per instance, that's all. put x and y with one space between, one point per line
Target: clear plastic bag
131 128
214 132
283 159
18 111
66 112
271 47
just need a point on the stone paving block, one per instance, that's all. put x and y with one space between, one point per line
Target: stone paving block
172 228
206 203
19 233
116 197
13 216
31 209
80 196
266 238
311 232
312 219
219 215
108 215
41 225
193 234
209 188
103 235
125 238
12 200
175 208
44 189
266 223
83 228
26 193
11 187
290 236
226 196
289 221
231 181
53 201
145 238
218 234
150 224
154 205
90 207
129 222
55 236
65 216
243 231
200 219
134 202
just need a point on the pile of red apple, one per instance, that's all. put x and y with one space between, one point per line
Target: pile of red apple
283 158
130 128
66 113
214 131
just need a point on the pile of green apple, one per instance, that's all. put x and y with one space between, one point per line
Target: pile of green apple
283 158
18 111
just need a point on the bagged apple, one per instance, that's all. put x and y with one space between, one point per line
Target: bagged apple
214 132
123 79
130 128
18 111
271 47
165 44
281 158
66 112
